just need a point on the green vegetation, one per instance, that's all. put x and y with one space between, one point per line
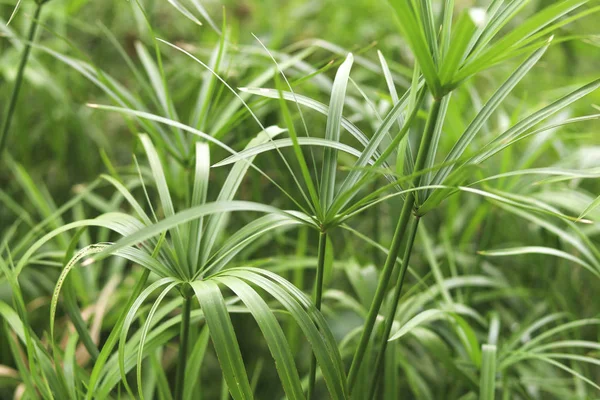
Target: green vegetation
269 199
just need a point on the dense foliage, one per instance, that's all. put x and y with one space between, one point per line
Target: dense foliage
299 199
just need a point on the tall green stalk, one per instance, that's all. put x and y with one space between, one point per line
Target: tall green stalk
390 261
318 299
183 347
389 319
12 103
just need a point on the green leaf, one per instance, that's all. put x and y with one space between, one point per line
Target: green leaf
193 213
144 334
199 194
113 337
308 318
486 112
512 40
487 383
127 322
205 15
206 94
244 237
540 250
332 132
129 197
459 42
591 207
85 252
435 140
19 323
310 103
419 319
404 146
493 147
182 264
496 17
216 223
156 79
413 33
282 143
116 92
223 338
183 127
432 260
69 366
349 186
192 373
273 334
181 8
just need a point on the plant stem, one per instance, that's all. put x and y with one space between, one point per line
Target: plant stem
318 298
19 80
389 320
390 261
183 348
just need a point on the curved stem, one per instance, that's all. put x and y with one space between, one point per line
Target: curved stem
389 319
19 80
183 348
318 299
390 261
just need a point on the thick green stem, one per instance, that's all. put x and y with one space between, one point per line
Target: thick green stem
389 319
20 72
183 347
318 297
390 261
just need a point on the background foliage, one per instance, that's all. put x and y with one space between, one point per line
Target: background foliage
130 128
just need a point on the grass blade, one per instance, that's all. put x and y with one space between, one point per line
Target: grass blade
223 338
332 132
487 385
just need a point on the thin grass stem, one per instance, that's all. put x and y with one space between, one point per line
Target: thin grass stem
389 319
397 239
183 347
19 80
318 299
